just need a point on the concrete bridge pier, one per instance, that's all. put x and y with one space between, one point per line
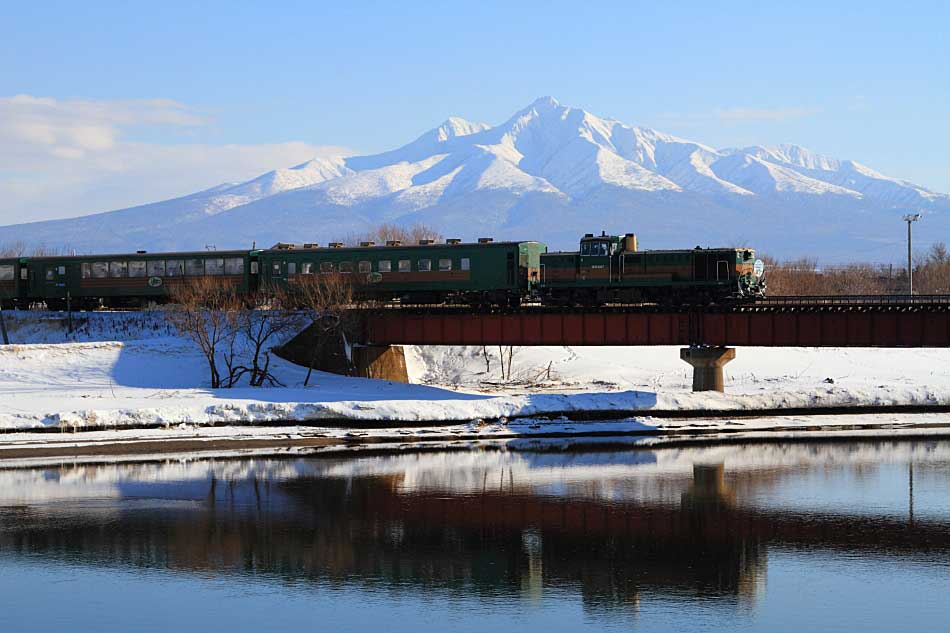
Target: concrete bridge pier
386 362
707 365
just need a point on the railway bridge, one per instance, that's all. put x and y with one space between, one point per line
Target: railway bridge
708 335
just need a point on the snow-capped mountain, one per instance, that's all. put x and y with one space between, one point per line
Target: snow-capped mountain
550 172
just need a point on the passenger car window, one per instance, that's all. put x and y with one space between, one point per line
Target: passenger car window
234 266
118 269
6 272
346 267
465 263
174 268
276 269
291 268
326 267
195 267
50 274
100 270
306 268
384 266
405 266
425 265
365 267
445 264
156 268
137 269
214 266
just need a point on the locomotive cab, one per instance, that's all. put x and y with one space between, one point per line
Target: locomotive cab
598 257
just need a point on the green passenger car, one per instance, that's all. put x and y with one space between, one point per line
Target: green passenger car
130 279
611 269
483 273
10 281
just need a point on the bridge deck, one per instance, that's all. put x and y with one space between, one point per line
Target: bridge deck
844 321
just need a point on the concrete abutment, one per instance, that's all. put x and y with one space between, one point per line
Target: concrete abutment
386 362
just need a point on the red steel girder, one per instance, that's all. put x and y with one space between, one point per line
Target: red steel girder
766 328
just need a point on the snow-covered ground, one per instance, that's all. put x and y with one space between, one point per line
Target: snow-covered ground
129 370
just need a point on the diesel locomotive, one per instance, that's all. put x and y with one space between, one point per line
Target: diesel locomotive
606 269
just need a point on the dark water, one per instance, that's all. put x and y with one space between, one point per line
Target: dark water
796 537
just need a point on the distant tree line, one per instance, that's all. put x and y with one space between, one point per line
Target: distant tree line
803 277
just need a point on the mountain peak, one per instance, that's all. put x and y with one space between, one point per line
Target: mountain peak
454 127
545 102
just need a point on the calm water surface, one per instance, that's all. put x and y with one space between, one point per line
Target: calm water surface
769 537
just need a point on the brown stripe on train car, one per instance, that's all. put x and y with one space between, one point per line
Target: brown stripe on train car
397 277
142 282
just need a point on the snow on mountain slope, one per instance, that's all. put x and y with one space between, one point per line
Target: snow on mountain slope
306 174
549 172
764 177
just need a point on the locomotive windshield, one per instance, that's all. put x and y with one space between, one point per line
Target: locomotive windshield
596 249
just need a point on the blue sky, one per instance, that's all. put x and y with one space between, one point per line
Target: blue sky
276 81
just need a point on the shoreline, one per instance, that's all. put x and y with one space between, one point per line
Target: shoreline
27 449
570 415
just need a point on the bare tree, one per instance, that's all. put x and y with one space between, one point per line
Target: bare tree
804 277
932 271
267 316
207 312
327 299
487 357
13 249
388 232
507 355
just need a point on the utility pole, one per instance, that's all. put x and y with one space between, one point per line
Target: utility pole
910 218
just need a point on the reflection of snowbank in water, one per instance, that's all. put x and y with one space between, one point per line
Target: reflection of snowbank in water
637 474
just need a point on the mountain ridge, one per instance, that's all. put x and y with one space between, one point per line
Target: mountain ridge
548 172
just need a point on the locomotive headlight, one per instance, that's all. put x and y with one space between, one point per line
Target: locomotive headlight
758 269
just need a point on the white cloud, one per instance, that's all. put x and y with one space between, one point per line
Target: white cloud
61 158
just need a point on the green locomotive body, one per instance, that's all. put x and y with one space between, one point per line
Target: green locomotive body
130 279
482 273
611 269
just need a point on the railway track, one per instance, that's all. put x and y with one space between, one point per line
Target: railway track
838 303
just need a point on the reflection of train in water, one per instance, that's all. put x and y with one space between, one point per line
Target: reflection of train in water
371 529
604 269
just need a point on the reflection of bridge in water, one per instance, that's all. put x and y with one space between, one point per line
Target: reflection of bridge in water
368 530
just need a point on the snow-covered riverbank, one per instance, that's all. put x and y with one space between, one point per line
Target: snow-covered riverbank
150 378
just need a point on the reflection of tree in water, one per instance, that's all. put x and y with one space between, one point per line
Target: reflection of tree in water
364 531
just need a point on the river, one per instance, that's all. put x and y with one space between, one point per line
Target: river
829 536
